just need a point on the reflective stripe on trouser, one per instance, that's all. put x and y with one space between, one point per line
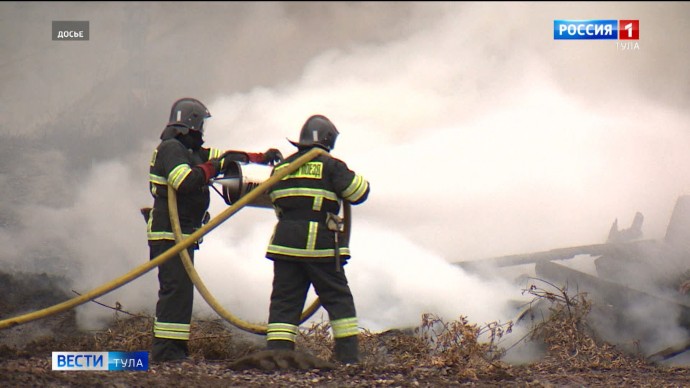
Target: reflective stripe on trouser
281 331
345 327
168 330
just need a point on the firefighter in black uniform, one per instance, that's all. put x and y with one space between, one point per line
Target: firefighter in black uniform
303 248
182 162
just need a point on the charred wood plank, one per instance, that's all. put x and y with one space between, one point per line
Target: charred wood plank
612 292
631 250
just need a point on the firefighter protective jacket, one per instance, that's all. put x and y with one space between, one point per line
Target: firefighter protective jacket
173 163
302 201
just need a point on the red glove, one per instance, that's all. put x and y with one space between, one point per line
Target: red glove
255 157
210 168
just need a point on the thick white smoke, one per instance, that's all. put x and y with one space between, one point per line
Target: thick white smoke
470 157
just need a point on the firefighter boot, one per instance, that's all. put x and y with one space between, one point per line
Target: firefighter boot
280 345
347 349
169 350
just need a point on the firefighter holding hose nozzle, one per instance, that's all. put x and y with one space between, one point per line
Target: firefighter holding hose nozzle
181 161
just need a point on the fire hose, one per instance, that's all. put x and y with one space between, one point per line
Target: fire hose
163 257
201 287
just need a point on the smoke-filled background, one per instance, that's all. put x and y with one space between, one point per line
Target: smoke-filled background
480 134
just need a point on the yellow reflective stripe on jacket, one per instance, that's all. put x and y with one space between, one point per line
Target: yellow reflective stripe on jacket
345 327
356 189
163 235
153 157
214 153
317 194
311 236
158 179
169 330
281 331
178 174
308 253
303 192
318 201
151 235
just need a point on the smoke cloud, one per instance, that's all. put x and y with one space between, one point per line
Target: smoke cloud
480 134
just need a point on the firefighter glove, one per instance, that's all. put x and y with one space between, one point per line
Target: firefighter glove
216 163
272 156
211 168
236 156
227 160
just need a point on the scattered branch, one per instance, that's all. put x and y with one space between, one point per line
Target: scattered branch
117 308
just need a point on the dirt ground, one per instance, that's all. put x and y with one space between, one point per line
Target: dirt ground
32 368
574 358
35 372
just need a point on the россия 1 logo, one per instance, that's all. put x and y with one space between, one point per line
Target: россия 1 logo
596 29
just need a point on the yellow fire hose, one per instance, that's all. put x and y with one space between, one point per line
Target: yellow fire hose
173 251
201 287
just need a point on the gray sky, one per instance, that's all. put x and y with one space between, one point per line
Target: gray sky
481 136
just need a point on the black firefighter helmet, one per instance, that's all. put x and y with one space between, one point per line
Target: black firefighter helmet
190 113
319 131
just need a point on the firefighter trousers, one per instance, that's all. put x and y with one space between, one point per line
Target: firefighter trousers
291 282
171 329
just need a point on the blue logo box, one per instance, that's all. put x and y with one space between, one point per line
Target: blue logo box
585 29
95 361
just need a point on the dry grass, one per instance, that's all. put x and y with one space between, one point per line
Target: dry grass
453 347
436 353
459 347
568 336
